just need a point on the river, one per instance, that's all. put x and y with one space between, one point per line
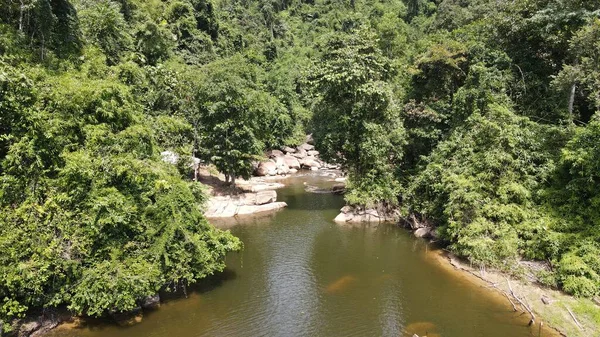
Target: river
300 274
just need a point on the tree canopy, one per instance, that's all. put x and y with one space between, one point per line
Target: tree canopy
481 116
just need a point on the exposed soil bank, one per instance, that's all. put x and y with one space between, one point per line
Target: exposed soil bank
554 312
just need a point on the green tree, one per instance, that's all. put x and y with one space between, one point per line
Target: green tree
356 120
228 118
104 25
479 185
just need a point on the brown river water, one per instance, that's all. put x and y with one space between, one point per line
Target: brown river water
300 274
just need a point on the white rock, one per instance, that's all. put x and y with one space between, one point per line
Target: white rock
291 162
169 157
288 149
265 197
306 147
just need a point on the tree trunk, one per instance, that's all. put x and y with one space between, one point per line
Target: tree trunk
572 99
233 179
21 9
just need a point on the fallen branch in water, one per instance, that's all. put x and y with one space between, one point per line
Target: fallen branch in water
532 321
511 302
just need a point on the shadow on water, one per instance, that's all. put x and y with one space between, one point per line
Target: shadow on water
168 297
205 285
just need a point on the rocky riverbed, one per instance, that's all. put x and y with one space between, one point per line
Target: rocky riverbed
290 160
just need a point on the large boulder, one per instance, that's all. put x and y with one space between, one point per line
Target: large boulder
309 140
288 149
313 153
274 153
300 154
291 162
306 147
266 168
279 161
273 206
266 197
310 162
283 170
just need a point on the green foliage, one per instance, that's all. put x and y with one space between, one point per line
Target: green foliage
460 111
230 116
583 73
91 217
104 25
483 197
357 122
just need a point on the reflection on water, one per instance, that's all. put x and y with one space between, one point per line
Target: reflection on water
300 274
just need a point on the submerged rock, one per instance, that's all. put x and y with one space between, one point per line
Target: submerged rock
128 318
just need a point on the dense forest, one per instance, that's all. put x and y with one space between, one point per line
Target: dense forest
479 116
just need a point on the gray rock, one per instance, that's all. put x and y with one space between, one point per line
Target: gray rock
246 210
265 197
309 140
313 153
372 212
347 209
343 217
28 328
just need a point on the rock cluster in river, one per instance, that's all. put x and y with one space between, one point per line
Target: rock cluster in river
351 214
243 204
289 160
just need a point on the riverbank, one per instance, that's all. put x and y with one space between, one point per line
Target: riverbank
553 312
